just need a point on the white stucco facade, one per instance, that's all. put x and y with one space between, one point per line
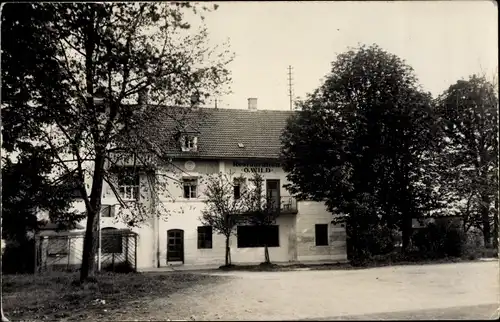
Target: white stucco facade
296 230
229 141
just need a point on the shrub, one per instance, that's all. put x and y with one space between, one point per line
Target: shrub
122 267
19 258
367 241
439 240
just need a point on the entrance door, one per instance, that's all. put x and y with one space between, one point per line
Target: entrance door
273 193
175 245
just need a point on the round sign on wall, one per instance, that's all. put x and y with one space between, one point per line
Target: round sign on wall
189 165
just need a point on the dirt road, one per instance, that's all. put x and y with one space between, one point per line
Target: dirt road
336 293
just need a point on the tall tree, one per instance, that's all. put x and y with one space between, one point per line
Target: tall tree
223 208
469 114
30 190
261 210
361 143
91 63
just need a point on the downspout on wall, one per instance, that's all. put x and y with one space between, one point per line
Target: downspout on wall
156 242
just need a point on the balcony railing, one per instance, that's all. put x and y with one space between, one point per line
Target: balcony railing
288 205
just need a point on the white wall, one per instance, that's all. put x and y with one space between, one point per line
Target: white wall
185 216
310 214
296 231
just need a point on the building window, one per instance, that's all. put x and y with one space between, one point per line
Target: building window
189 143
128 184
204 237
238 187
258 236
111 241
107 211
190 187
58 246
321 232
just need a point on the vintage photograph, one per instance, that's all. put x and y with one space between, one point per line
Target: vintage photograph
249 160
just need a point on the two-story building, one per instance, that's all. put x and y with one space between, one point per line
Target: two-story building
240 142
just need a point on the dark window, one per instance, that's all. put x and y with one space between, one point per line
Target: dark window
238 187
190 188
189 143
111 241
204 237
107 211
321 232
58 246
237 191
258 236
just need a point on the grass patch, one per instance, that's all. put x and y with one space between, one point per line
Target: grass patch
59 297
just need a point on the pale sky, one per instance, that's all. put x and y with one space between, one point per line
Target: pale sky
442 40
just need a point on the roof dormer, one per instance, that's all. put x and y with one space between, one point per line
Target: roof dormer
188 138
189 142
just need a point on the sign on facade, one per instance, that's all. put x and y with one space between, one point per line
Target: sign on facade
259 167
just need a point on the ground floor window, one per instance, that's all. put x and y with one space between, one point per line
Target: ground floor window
204 237
321 234
258 236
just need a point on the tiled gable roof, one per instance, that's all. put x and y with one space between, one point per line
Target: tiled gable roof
221 130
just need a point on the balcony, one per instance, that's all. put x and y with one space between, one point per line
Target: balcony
288 205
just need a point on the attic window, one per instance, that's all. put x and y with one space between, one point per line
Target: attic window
241 145
189 143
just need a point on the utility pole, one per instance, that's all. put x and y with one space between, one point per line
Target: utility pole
290 89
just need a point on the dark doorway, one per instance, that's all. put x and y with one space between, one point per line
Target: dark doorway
175 245
273 193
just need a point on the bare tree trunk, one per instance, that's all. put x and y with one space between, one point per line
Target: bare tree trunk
266 255
406 232
495 224
228 252
485 217
91 232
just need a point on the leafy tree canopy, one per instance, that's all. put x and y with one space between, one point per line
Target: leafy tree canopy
362 140
77 75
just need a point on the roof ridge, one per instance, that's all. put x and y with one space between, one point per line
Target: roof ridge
215 108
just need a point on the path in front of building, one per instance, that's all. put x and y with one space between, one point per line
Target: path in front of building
444 291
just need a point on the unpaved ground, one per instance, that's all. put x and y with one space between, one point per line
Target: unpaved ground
328 294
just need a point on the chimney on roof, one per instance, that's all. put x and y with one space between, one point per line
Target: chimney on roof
252 104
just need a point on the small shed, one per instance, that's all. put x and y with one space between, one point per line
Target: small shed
59 250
